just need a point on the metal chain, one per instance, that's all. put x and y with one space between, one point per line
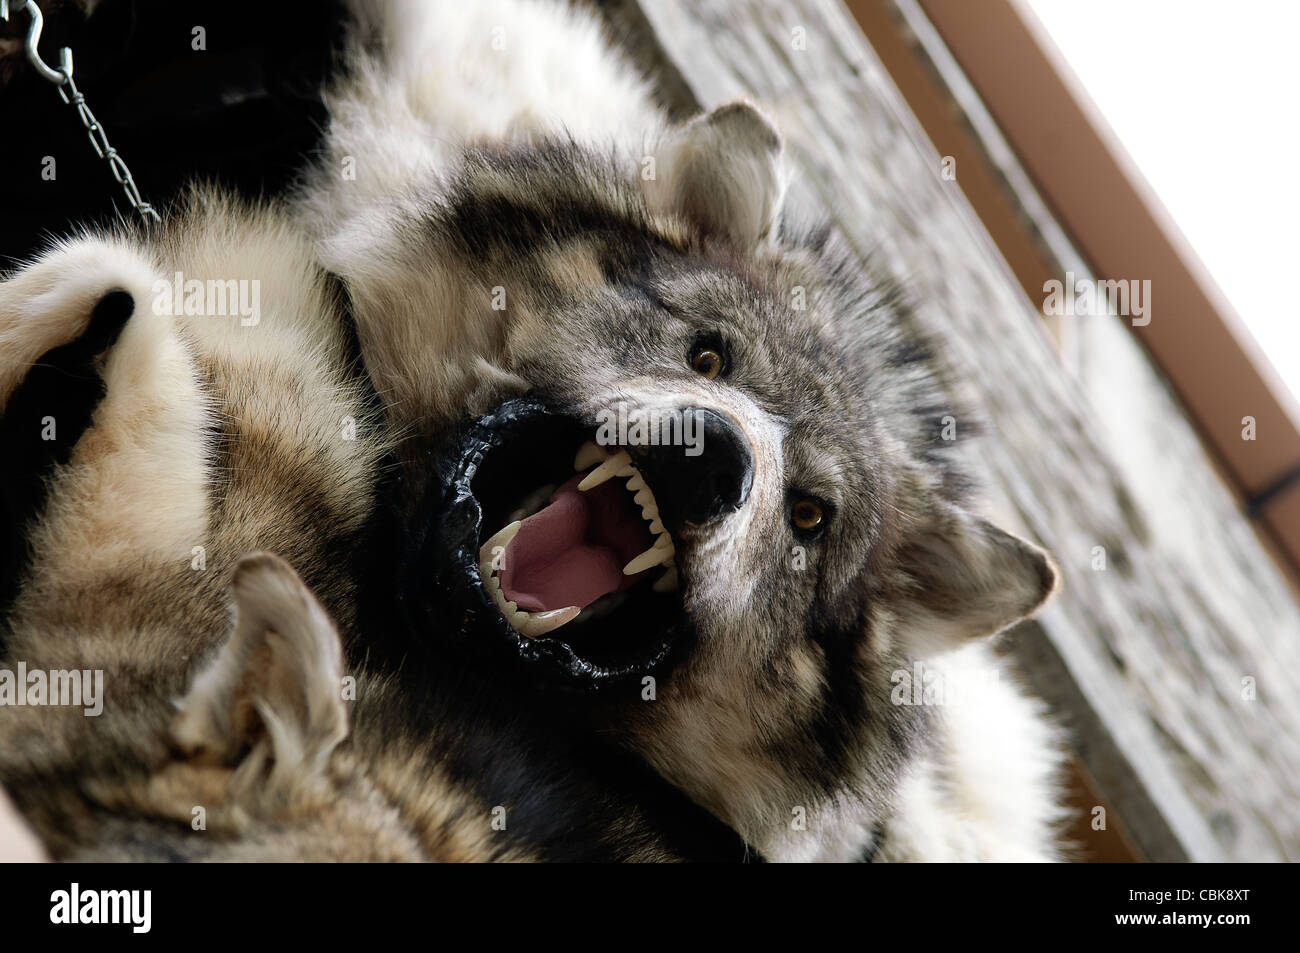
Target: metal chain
68 92
99 140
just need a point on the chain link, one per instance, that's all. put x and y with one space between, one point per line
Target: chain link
69 93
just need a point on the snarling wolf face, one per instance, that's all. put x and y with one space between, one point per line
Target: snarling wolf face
731 457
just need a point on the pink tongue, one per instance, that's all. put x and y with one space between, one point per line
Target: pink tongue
573 550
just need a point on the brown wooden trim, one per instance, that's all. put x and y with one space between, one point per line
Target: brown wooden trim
1109 845
1109 212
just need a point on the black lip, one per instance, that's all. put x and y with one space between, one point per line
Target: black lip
454 518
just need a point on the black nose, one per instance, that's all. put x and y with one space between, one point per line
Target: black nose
705 477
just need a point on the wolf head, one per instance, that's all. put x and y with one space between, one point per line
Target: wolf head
733 463
260 761
272 754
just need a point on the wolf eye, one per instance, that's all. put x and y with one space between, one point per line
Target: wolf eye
706 361
807 516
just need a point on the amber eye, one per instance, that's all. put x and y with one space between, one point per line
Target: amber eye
807 515
706 361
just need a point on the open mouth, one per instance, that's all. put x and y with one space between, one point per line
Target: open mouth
576 549
572 558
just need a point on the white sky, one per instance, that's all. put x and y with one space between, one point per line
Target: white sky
1205 96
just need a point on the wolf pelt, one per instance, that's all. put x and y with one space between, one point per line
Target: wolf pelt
208 441
480 150
507 144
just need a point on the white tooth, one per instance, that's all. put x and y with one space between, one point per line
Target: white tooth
531 624
499 598
588 454
656 527
501 538
667 582
651 557
605 471
534 624
644 498
636 483
664 544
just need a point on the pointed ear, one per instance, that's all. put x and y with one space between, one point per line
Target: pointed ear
722 173
971 579
273 693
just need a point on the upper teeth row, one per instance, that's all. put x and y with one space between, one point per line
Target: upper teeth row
620 464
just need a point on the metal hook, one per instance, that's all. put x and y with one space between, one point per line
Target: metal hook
56 76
